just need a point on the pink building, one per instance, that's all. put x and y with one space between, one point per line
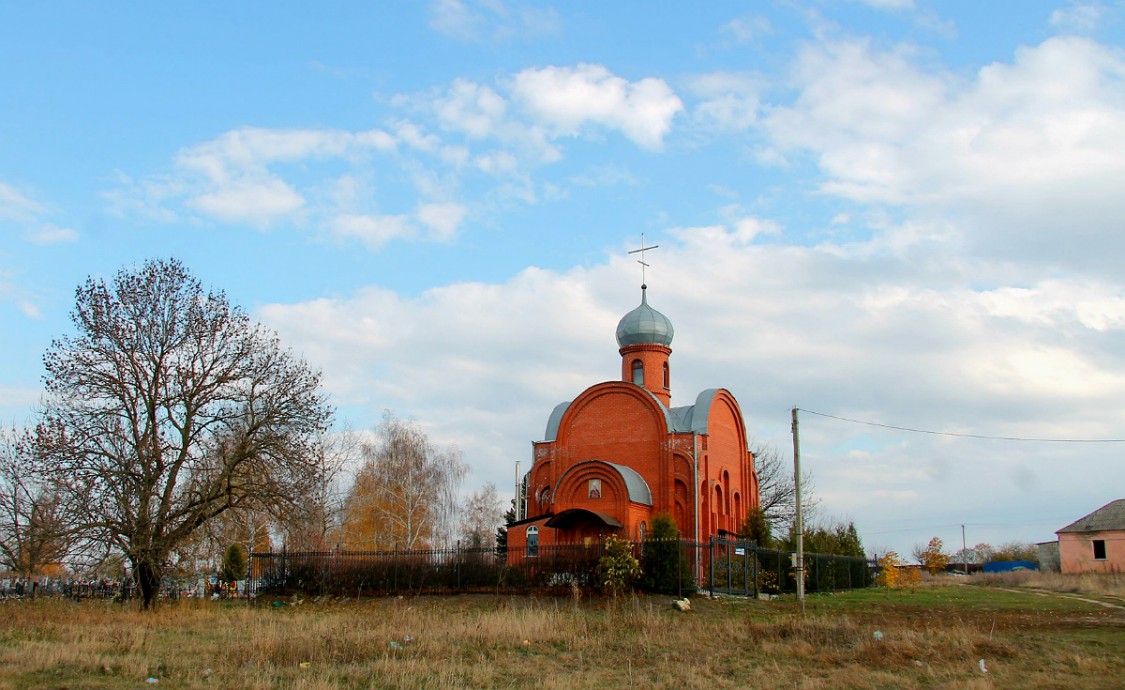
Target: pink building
1095 543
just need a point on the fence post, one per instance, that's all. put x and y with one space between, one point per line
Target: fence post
745 569
711 566
757 578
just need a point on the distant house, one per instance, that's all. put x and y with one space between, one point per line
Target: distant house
1096 542
1048 556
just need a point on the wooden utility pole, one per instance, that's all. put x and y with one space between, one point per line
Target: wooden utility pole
798 525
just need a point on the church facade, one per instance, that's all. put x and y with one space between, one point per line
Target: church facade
619 454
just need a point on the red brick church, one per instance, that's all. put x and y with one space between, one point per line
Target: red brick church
619 454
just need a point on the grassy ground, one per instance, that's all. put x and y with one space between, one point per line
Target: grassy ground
1108 587
934 637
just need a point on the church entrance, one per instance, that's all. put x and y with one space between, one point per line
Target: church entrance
578 526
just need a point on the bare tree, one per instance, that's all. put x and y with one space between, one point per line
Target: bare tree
319 514
482 515
168 408
33 534
777 495
405 492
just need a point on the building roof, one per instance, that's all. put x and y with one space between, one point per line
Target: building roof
644 326
1111 516
568 518
693 418
635 484
639 492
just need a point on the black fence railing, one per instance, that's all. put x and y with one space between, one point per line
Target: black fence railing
743 568
719 566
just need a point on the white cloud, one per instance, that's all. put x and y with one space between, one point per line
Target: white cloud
50 234
1078 16
21 208
1023 150
888 4
443 220
747 29
254 148
435 144
261 177
492 20
254 202
16 205
19 397
30 309
568 99
231 177
471 108
727 101
373 231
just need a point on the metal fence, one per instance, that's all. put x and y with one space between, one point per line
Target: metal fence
719 566
734 567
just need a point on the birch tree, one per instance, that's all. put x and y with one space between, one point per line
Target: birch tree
481 517
405 492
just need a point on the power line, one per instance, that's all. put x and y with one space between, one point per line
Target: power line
932 527
956 435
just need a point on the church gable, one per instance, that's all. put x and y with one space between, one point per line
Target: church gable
727 433
613 421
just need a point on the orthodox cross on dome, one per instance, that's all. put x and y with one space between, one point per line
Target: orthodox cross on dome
642 251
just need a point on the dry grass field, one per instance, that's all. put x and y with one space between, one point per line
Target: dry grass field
933 637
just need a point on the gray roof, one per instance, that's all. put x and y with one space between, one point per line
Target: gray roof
644 326
555 420
1111 516
693 418
635 484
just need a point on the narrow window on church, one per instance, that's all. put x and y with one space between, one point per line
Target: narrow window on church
641 532
532 542
638 372
666 375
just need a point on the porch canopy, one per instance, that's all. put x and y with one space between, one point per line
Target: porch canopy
574 517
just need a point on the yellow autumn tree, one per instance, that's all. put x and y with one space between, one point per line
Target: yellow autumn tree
405 493
933 557
888 570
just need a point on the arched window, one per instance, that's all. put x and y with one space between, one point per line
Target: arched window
666 385
532 541
638 372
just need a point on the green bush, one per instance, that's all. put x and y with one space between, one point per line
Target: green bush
234 564
618 569
666 568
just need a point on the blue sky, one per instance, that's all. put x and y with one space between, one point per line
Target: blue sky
889 210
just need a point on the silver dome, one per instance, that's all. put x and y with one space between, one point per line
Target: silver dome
644 326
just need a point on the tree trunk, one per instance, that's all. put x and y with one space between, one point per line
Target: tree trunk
147 575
